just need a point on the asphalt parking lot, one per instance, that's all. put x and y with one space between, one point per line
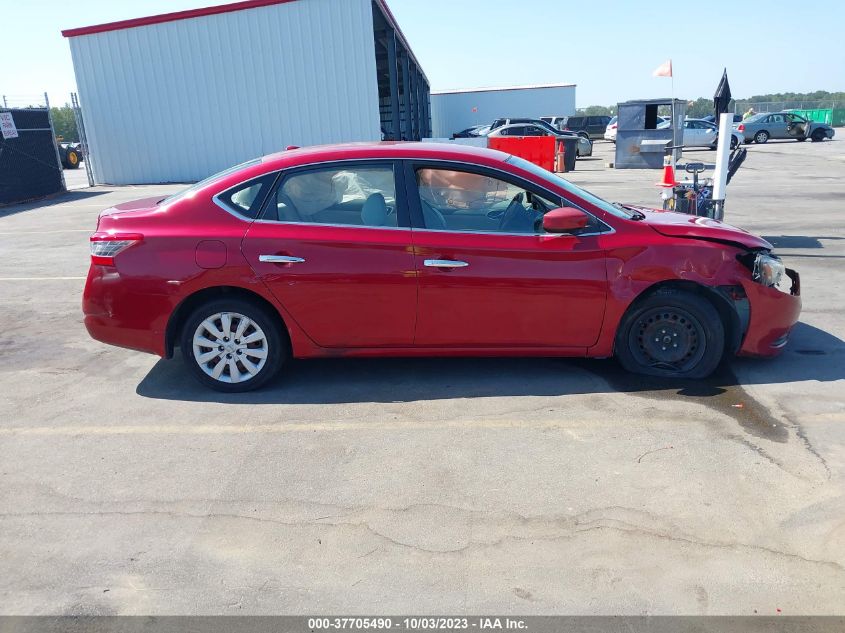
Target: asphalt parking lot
530 486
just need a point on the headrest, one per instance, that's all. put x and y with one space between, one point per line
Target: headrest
374 211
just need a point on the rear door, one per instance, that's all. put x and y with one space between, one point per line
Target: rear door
776 126
333 245
488 275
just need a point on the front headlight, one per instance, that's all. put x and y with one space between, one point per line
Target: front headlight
768 270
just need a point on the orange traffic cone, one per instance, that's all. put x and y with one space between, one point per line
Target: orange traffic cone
668 174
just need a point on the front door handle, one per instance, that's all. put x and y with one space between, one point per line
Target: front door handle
280 259
445 263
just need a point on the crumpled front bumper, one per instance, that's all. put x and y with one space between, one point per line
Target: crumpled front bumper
773 315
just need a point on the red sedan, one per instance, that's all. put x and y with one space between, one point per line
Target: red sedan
413 249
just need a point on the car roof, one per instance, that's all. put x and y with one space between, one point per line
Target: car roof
384 149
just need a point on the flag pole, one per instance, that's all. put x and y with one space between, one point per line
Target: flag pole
672 79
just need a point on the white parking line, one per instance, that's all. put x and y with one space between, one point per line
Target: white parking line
46 232
42 278
305 427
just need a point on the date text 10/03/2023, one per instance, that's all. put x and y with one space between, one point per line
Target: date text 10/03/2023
423 623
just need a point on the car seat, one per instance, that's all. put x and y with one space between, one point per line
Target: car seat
432 217
374 212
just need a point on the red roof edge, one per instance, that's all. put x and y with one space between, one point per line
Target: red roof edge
171 17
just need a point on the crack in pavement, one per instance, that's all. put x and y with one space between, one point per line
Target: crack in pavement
567 528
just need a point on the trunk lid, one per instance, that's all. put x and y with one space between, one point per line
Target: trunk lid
125 210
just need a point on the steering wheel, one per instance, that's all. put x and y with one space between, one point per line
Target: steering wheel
513 209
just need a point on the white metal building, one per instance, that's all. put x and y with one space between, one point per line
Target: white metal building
456 110
176 97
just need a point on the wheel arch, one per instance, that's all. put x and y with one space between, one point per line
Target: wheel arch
196 299
730 317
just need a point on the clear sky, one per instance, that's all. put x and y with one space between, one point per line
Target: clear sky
608 48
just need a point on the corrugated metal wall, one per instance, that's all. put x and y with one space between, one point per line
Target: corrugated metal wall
177 101
453 111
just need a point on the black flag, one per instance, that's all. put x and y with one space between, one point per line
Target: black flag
722 98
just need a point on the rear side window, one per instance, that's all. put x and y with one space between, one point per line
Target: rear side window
247 198
353 195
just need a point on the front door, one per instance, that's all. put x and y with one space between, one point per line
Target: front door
796 127
776 125
334 247
488 275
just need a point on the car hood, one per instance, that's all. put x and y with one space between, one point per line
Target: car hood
682 225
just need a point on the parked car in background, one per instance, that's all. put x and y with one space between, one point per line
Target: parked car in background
587 126
759 128
471 132
610 130
584 147
507 121
701 133
737 118
424 249
554 121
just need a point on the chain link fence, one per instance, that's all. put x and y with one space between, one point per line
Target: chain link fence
778 106
30 166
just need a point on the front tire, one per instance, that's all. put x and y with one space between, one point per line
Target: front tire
672 334
761 137
233 345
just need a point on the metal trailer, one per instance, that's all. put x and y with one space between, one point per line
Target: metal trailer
639 142
176 97
456 110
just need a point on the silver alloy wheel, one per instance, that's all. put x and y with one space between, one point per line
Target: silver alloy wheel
230 347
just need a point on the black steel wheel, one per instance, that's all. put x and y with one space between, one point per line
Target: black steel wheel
672 333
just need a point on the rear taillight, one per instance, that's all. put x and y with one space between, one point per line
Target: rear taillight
106 246
614 126
740 128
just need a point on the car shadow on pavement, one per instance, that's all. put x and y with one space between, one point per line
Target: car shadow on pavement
812 355
68 197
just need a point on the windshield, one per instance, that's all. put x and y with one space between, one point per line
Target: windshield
185 193
554 179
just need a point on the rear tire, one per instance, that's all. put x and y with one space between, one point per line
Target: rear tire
761 137
818 136
233 345
672 334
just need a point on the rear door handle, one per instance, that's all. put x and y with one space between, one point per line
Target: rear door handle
445 263
280 259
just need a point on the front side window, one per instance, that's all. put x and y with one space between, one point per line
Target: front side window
454 200
345 195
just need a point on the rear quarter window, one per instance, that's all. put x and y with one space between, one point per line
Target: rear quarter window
246 199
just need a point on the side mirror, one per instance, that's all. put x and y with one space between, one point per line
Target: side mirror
564 220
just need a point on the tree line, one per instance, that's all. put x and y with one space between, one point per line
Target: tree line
64 124
704 105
